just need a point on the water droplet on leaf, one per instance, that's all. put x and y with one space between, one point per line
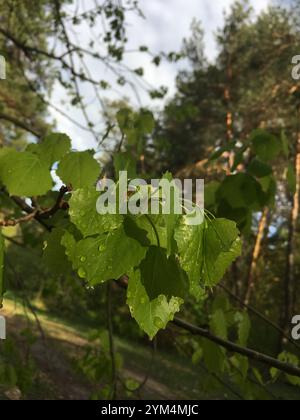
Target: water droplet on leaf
82 273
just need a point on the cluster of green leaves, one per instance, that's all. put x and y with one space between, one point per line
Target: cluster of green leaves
253 186
164 257
15 371
97 367
292 359
227 322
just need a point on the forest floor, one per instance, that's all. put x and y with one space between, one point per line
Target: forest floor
55 354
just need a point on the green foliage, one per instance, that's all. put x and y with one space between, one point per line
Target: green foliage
125 162
214 357
166 261
293 360
14 370
52 149
135 125
84 215
291 178
152 315
79 169
204 254
24 174
265 145
156 271
244 326
54 253
95 257
160 254
207 250
1 267
259 169
171 220
218 324
241 191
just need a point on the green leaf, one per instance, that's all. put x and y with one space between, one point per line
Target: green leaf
24 174
210 193
79 169
258 376
2 246
214 357
242 365
222 245
221 302
84 214
190 245
158 221
124 118
172 218
291 179
244 326
161 275
242 216
95 258
69 243
197 356
285 144
266 146
146 122
269 188
241 191
259 169
218 324
134 231
54 252
135 125
291 359
151 315
125 162
207 250
52 149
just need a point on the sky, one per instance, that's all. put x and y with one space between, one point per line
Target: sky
166 24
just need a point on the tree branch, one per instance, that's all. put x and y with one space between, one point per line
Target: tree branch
60 204
244 351
259 315
19 124
16 222
229 345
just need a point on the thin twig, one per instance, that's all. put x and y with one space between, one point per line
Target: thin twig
260 315
235 348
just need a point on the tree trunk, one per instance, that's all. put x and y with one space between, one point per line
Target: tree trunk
290 286
290 280
295 219
255 256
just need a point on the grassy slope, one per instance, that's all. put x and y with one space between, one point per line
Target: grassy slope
171 376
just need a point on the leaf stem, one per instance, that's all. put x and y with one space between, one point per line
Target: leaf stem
155 230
